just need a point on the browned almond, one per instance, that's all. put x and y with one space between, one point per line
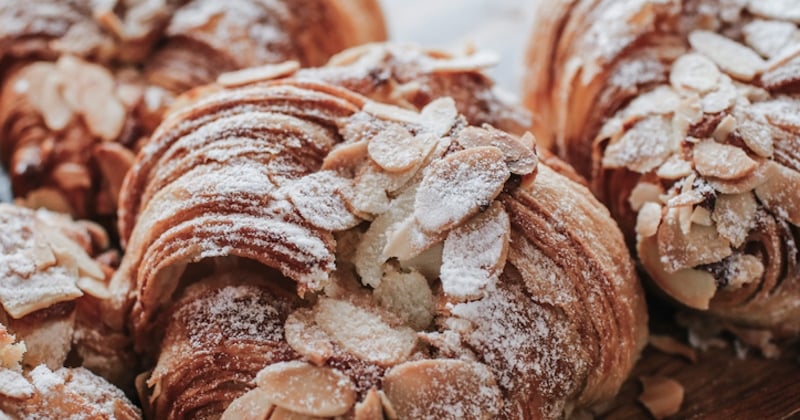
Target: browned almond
648 219
395 149
392 113
779 192
371 408
346 156
307 338
475 253
643 147
674 168
458 186
56 111
253 405
722 161
258 74
725 127
734 215
694 71
756 133
307 389
661 396
520 158
69 253
48 198
732 57
741 185
670 345
742 269
438 388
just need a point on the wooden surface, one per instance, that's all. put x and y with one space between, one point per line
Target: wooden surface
719 385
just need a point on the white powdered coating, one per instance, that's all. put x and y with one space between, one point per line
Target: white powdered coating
474 253
316 196
14 385
103 397
44 380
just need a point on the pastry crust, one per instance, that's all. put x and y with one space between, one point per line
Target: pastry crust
678 113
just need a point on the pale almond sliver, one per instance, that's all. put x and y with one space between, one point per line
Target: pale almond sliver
722 161
307 389
732 57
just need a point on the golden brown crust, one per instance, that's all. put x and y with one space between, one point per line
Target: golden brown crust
678 113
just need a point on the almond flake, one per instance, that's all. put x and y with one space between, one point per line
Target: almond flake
644 192
408 240
395 149
674 168
367 196
475 253
693 288
670 345
363 333
680 249
721 98
661 396
407 295
258 74
742 269
307 338
643 147
253 405
521 159
734 215
694 71
660 101
779 192
701 216
775 9
307 389
648 219
732 57
462 64
742 185
346 156
392 113
55 110
769 37
371 408
725 127
69 253
458 186
439 116
722 161
316 198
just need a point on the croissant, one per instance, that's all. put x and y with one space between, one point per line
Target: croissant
295 248
48 282
682 116
76 104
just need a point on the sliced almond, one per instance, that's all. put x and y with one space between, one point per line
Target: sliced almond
648 219
392 113
316 198
660 101
722 161
458 186
694 71
680 249
755 131
94 287
395 149
69 253
307 338
407 295
693 288
742 269
741 185
775 9
644 192
469 63
439 115
363 333
725 127
769 37
55 110
345 156
258 74
779 192
734 215
307 389
661 396
701 216
371 408
13 385
367 196
439 388
104 117
670 345
407 240
475 253
48 198
253 405
721 98
674 168
732 57
643 147
521 159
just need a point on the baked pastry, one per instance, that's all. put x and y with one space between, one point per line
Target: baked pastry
84 83
294 248
682 115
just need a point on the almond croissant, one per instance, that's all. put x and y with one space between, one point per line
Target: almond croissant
683 116
85 82
294 248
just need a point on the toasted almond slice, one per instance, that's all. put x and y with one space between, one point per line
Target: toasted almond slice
660 101
648 219
55 110
367 196
439 115
680 249
258 74
407 295
722 161
769 37
114 161
674 168
307 338
521 159
732 57
644 192
307 389
363 333
392 113
69 253
394 149
475 253
439 388
775 9
407 240
468 63
721 98
701 216
94 287
670 345
316 198
13 385
725 127
693 288
345 155
253 405
742 269
371 408
755 131
779 192
742 185
458 186
105 117
643 147
784 114
661 396
48 198
735 215
694 71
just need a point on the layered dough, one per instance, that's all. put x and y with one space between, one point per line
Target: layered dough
84 83
682 116
295 248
